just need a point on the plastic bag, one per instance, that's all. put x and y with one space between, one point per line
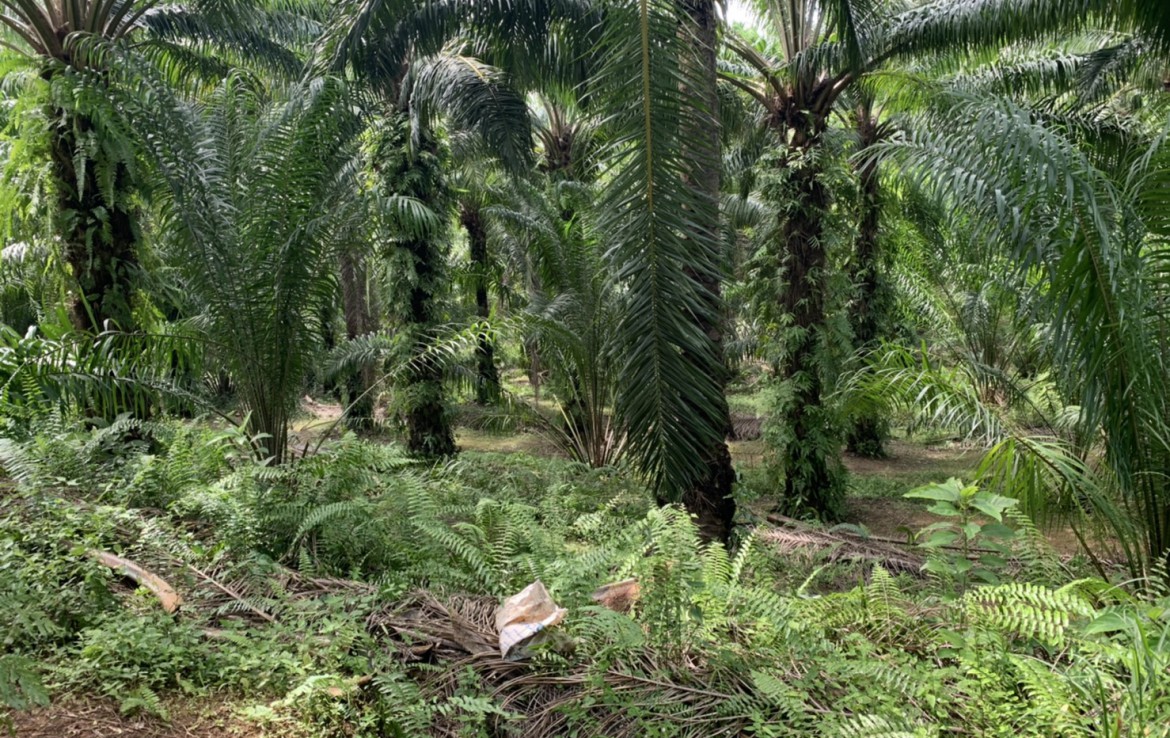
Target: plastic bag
523 618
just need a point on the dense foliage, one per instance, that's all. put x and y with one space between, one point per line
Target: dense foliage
267 264
712 646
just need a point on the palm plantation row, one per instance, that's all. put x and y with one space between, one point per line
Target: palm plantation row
946 213
651 241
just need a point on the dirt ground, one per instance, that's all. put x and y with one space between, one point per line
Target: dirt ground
915 464
93 718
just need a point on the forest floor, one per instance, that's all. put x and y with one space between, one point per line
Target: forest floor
77 717
874 496
874 503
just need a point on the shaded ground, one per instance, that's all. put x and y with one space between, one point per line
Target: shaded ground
877 485
469 439
71 717
875 491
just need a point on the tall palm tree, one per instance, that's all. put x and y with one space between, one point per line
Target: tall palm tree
420 278
710 496
408 55
660 217
93 172
821 49
796 84
869 313
1067 201
471 216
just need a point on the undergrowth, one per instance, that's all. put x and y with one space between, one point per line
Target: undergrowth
719 643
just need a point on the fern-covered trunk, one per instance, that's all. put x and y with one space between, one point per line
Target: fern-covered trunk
95 224
420 273
359 321
802 430
428 424
868 431
710 498
487 385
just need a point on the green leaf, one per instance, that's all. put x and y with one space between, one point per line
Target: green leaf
937 526
985 575
948 491
999 531
941 538
946 509
992 505
952 638
1110 622
938 566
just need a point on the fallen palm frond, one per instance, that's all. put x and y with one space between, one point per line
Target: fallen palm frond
793 536
166 594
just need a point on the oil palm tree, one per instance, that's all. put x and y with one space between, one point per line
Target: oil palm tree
570 309
93 170
659 213
869 314
797 82
471 217
821 49
416 60
1069 194
258 198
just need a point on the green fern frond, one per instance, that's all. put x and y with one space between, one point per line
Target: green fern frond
877 726
1026 610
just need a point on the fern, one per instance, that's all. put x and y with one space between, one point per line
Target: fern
1033 549
403 701
1026 610
1050 701
883 599
877 726
143 699
20 683
19 463
776 693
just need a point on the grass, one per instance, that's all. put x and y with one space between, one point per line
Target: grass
469 439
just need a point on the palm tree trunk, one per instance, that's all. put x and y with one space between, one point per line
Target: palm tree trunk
428 426
710 499
98 235
487 386
417 171
359 321
869 431
809 452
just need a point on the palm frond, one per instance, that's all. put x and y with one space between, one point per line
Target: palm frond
669 394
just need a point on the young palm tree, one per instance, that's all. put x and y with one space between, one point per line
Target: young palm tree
258 198
571 309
